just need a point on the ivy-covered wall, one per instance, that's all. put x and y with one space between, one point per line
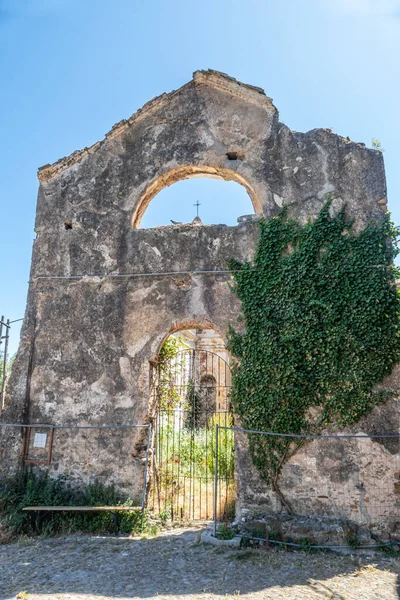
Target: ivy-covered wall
319 334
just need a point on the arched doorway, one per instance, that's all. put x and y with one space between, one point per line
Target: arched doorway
191 388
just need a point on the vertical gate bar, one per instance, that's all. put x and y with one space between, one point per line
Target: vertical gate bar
219 486
207 426
184 496
173 469
159 460
216 480
167 413
185 416
146 466
201 412
173 456
212 373
179 460
3 385
194 417
187 377
191 432
200 493
178 375
227 465
166 502
185 380
206 416
184 473
194 492
156 473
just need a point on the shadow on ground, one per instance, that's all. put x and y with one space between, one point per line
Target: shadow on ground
174 565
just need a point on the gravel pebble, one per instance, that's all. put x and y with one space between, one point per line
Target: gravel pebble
174 565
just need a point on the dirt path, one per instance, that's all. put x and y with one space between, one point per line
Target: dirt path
173 565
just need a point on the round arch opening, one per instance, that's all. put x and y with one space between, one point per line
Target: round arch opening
189 172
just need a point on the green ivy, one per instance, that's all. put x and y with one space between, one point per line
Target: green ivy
168 397
321 330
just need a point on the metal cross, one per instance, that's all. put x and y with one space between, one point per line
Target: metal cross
197 206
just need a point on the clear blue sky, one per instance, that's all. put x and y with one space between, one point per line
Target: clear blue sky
70 69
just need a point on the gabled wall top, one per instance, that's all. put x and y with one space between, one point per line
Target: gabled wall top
216 79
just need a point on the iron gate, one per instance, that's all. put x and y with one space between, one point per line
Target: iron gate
192 395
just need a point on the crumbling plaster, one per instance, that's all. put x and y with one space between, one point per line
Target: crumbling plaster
88 335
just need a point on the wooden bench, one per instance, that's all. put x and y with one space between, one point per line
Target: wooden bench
115 510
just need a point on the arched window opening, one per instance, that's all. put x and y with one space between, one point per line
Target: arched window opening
212 200
220 194
192 397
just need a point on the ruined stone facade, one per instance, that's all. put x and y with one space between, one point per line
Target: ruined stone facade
104 294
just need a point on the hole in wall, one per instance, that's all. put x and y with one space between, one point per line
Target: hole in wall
234 156
68 225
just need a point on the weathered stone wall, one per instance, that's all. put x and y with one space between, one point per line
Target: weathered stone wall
88 337
335 478
94 338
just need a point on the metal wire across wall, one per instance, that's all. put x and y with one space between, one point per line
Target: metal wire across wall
349 478
192 397
96 442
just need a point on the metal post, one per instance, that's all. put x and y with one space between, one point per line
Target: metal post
216 480
3 386
146 465
1 335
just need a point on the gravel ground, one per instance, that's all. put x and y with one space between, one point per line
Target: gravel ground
174 565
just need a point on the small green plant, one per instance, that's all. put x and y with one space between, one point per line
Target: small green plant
164 515
351 537
376 145
387 549
248 542
275 535
305 543
224 532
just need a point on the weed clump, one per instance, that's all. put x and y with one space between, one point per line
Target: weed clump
28 488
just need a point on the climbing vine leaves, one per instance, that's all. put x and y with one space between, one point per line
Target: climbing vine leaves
169 362
320 318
